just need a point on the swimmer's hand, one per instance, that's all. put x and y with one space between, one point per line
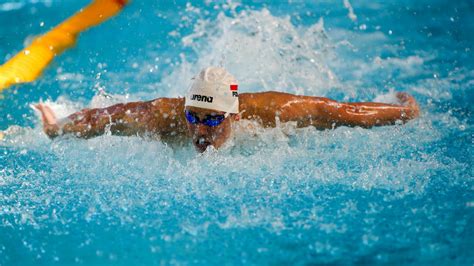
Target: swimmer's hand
50 124
409 101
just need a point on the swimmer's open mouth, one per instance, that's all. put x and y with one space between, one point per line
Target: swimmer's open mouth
201 144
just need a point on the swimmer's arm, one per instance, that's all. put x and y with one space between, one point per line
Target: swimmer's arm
369 114
327 113
129 119
324 113
119 119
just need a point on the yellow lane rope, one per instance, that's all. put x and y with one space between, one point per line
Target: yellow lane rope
28 64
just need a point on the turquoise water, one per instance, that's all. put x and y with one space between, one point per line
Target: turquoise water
400 194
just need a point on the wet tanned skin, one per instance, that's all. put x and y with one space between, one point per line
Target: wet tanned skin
165 116
324 113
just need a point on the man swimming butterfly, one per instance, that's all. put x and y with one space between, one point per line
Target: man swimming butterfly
213 104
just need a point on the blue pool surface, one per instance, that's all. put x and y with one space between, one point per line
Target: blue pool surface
401 194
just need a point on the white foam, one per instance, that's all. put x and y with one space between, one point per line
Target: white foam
350 10
9 6
262 51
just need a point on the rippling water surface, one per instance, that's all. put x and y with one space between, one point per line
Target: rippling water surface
399 194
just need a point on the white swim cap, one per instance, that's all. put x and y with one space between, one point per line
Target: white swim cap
214 88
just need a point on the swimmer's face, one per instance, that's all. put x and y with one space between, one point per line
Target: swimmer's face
203 135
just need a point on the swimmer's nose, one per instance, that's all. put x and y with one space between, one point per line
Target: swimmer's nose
201 129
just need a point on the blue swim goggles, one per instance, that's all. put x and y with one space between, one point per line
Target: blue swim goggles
209 120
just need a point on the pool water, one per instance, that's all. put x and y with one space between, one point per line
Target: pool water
401 194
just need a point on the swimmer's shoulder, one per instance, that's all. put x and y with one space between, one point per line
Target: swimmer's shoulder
168 102
262 100
274 100
168 115
261 106
165 105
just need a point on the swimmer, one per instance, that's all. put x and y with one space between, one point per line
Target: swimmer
212 104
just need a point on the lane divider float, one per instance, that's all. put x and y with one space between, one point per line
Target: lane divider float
28 64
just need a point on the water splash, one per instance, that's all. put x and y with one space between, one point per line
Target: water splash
264 52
